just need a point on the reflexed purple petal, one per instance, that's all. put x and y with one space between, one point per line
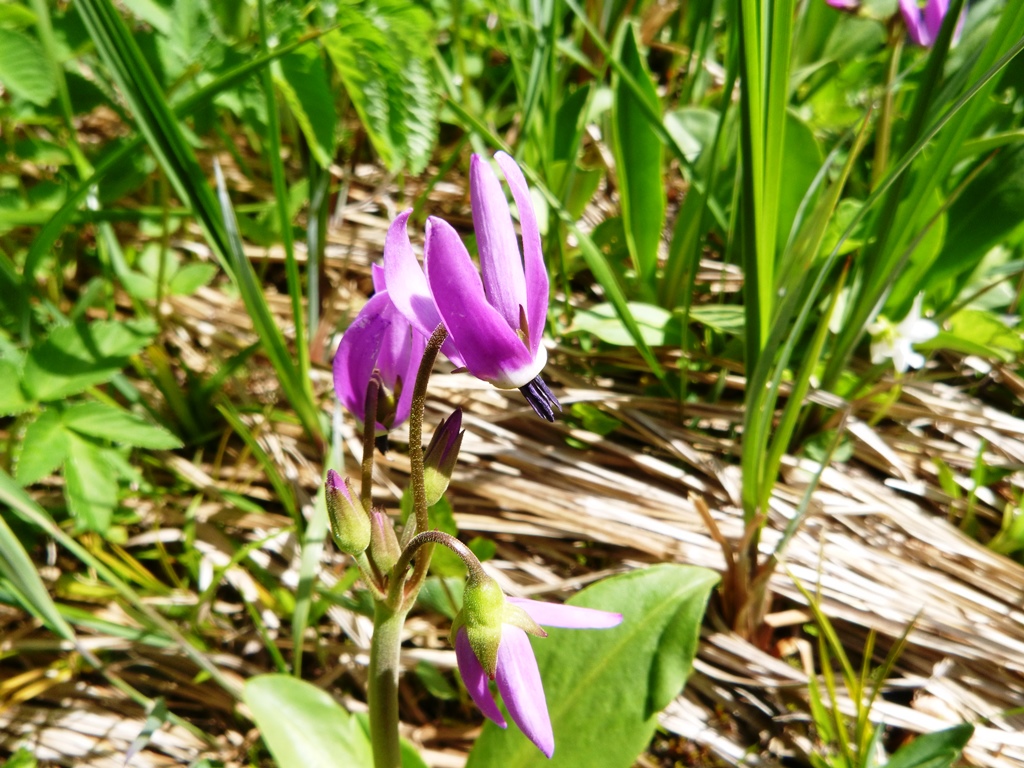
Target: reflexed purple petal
475 678
533 256
408 286
379 280
520 686
500 262
916 29
357 354
934 12
567 616
844 5
490 349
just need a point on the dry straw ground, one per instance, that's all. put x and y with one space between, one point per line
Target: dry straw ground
880 546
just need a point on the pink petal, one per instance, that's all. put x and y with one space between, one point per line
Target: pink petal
934 12
490 349
916 28
475 678
567 616
357 354
379 279
500 262
533 256
520 686
408 286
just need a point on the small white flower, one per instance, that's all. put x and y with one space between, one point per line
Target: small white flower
896 342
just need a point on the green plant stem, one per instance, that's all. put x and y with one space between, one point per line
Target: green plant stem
385 652
883 132
419 490
369 435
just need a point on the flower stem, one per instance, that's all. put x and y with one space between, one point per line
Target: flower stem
419 490
428 539
385 649
369 435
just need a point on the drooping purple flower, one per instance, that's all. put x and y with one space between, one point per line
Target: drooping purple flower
380 341
496 324
923 25
517 674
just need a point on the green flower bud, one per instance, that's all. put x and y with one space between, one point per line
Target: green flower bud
482 614
384 549
441 455
350 524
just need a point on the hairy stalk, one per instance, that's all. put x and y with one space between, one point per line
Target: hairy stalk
385 650
419 490
389 613
428 539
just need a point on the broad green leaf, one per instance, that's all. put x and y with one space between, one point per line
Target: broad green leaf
657 326
108 422
435 682
43 448
724 318
638 152
693 128
933 750
90 485
987 212
302 79
303 727
604 688
191 277
803 161
976 332
24 68
12 398
442 595
75 357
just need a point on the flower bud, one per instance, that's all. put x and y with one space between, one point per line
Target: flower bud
441 455
384 549
482 614
350 524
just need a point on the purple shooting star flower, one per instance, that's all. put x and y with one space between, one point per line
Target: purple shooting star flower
379 342
496 322
923 25
515 666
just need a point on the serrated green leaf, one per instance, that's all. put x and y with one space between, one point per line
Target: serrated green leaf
90 485
75 357
382 53
24 69
108 422
302 80
302 726
604 688
12 397
43 448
